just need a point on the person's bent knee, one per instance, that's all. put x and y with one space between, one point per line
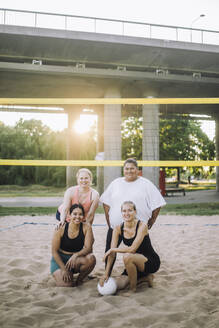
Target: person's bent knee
89 260
127 259
59 279
92 259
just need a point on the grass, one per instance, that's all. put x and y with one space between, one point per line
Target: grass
33 211
50 191
197 185
191 209
170 209
31 191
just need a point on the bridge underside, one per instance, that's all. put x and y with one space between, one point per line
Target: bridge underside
41 63
18 84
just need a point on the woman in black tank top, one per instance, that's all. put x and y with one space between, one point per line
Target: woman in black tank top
72 250
140 259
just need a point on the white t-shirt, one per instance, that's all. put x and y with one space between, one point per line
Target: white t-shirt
142 192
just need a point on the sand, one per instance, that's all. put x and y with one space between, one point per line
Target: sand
185 294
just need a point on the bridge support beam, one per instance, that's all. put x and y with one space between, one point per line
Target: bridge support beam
150 141
100 149
73 144
112 136
217 149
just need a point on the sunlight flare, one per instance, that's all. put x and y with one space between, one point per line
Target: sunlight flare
84 124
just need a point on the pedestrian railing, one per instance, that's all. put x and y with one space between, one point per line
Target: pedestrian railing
108 26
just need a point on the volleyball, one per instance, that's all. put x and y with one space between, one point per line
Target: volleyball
109 287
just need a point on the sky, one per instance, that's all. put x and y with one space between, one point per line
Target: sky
185 13
168 12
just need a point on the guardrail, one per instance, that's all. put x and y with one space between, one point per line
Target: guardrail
107 26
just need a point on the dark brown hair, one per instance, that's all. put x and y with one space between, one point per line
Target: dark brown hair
77 206
132 161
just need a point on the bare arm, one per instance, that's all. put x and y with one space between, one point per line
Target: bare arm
94 205
153 217
88 241
56 241
106 210
111 256
66 203
142 232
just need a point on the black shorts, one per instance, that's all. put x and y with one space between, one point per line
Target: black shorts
58 215
150 266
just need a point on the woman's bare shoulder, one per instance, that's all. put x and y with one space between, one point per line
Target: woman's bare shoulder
117 229
86 227
71 190
95 193
143 226
59 231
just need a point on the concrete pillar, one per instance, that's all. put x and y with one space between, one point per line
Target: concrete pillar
150 141
112 136
217 150
100 150
73 144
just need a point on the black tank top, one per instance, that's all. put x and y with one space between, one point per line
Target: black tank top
145 248
75 244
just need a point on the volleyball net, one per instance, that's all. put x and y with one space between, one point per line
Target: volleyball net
107 101
101 163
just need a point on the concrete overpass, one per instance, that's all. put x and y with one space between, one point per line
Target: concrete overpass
40 62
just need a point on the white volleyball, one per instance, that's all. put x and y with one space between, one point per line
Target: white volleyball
109 287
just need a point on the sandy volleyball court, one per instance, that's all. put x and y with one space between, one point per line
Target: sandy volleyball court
185 295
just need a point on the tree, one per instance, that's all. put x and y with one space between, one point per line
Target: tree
180 139
183 139
132 137
32 140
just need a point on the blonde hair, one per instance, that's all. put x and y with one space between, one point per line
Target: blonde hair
130 203
85 170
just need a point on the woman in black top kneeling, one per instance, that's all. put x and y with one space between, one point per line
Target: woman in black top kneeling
140 259
72 250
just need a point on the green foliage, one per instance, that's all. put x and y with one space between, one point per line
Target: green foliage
170 209
33 140
31 191
183 139
31 211
191 209
132 137
180 139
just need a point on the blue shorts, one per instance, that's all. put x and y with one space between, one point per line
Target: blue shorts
54 266
58 215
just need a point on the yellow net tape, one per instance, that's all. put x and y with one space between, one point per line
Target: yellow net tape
105 101
86 163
